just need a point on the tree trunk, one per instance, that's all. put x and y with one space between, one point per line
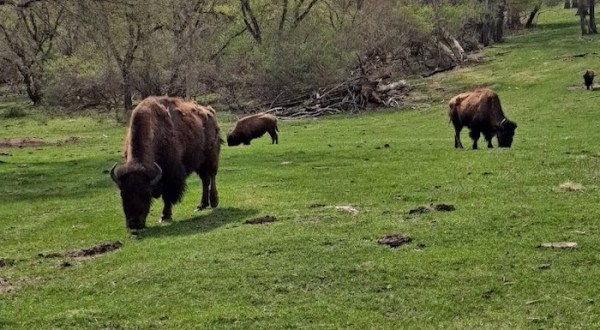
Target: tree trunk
592 21
33 89
582 13
499 29
127 103
531 17
32 84
484 33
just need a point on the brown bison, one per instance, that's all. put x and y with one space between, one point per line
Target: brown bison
481 112
253 126
168 138
588 79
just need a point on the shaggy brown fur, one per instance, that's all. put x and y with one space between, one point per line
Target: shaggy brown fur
588 79
480 110
168 139
253 126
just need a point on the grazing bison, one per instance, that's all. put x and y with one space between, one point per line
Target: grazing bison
253 126
588 79
168 138
481 112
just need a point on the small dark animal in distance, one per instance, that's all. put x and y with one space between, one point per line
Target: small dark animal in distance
481 112
588 79
251 127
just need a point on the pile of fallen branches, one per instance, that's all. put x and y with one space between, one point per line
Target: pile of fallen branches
351 96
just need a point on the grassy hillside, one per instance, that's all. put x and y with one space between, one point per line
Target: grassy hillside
477 267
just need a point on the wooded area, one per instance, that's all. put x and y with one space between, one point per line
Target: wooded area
296 57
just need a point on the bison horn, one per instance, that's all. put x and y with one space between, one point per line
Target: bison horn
158 176
113 176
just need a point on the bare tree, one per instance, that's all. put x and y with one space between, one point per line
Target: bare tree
582 13
342 12
19 4
299 10
592 21
120 29
251 21
29 29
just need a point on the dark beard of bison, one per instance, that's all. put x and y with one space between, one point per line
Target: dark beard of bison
505 133
136 185
232 140
136 207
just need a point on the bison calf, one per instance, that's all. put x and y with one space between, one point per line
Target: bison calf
588 79
481 112
251 127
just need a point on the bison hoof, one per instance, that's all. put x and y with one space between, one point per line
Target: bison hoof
201 207
164 219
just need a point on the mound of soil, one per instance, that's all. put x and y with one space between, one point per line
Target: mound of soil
4 262
443 207
316 205
419 210
85 253
94 250
394 240
432 207
22 142
260 220
5 285
50 255
34 142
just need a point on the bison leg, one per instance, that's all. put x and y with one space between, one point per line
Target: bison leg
457 143
205 190
214 195
167 213
274 137
474 134
488 138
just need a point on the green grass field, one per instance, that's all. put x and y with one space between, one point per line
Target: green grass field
477 267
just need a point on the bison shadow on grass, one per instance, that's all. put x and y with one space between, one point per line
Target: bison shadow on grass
201 223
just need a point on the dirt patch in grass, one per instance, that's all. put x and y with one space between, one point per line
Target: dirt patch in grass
5 262
95 250
348 209
570 187
260 220
432 207
91 252
559 245
6 286
34 142
316 205
394 240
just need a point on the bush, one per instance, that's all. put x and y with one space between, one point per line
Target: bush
14 112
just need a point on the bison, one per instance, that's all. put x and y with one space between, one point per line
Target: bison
167 139
481 112
253 126
588 79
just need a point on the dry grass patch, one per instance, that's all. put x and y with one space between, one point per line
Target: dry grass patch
570 187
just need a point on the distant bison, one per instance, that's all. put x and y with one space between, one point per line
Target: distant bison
481 112
168 138
253 126
588 79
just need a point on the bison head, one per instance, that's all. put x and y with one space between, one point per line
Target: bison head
233 139
506 132
136 184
